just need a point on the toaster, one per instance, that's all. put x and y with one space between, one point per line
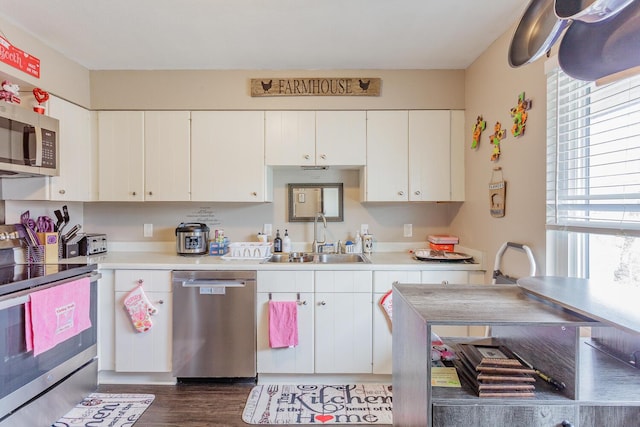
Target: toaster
91 244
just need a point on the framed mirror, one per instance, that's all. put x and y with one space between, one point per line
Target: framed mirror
306 200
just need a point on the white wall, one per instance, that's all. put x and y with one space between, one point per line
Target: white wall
492 89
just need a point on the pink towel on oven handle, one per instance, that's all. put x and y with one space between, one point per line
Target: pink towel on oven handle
56 314
283 324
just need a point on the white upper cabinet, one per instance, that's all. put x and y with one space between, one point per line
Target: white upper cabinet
290 138
78 179
387 176
121 155
341 138
415 155
322 138
429 155
143 155
227 156
167 137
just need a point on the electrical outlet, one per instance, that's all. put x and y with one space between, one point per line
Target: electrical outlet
267 229
148 230
408 230
364 229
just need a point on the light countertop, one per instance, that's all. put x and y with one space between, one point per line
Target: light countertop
165 260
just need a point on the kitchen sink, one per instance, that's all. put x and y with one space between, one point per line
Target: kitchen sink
318 258
341 258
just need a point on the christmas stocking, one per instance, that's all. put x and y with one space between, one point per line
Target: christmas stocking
140 309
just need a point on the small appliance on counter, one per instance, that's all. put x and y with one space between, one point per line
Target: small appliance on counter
92 244
192 238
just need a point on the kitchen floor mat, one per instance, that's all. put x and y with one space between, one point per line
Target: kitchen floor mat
319 404
113 410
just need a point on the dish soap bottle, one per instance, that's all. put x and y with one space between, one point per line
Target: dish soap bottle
277 242
286 242
358 244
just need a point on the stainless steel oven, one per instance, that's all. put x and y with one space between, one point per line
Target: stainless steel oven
37 390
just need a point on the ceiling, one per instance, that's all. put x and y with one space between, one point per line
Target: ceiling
265 34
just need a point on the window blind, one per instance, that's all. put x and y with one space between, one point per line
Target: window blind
593 155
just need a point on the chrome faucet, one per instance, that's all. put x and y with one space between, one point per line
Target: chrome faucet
316 244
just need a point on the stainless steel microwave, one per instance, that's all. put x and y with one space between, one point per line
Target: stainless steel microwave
28 143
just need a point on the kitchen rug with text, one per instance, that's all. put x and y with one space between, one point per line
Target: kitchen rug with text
108 409
319 404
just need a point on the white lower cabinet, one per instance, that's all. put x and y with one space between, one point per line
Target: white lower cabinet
343 323
285 286
143 351
382 326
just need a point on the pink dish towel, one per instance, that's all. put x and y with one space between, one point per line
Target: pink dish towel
283 324
57 314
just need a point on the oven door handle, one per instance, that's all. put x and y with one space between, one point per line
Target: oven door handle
13 302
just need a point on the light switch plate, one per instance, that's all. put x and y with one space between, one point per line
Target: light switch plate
267 229
364 229
408 230
148 230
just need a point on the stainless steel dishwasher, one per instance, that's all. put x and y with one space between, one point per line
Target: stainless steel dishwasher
214 324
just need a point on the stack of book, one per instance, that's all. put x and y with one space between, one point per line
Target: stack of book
494 371
442 242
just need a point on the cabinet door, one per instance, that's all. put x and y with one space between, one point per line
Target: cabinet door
343 321
290 138
387 170
78 178
341 138
343 333
227 156
299 359
143 351
120 156
457 155
382 338
166 155
429 155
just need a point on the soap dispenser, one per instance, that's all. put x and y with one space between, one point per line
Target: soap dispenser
358 244
286 242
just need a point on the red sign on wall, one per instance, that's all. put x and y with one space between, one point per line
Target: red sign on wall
19 59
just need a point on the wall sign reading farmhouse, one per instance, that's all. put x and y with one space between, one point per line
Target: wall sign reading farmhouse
316 86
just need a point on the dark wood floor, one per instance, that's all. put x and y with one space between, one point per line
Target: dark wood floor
190 405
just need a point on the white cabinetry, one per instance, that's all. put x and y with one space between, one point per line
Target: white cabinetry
78 178
166 155
143 155
322 138
343 328
436 156
414 155
387 171
143 351
341 138
121 155
227 156
290 138
382 283
285 286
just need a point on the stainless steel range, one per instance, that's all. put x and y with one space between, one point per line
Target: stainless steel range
37 390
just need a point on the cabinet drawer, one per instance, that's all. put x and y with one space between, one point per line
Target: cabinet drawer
445 277
503 415
152 280
383 280
344 281
285 281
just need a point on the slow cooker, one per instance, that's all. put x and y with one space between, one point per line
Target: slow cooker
192 238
